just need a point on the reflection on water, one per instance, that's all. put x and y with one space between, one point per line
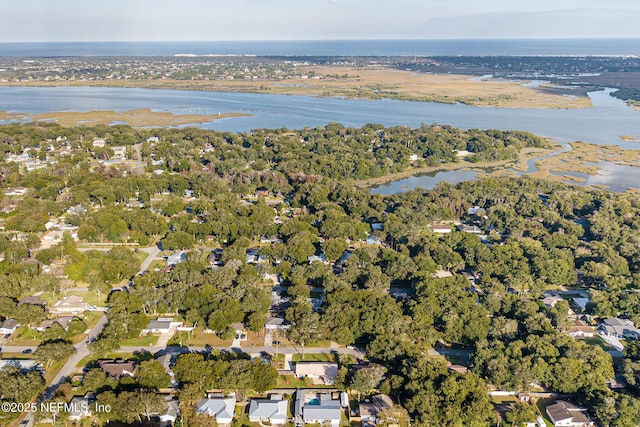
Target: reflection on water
616 177
426 181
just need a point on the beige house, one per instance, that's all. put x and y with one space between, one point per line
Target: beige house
323 372
73 304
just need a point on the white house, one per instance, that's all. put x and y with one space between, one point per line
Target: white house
168 418
441 228
176 258
161 325
9 326
272 410
23 364
619 328
566 414
277 324
326 372
322 410
80 407
72 304
222 409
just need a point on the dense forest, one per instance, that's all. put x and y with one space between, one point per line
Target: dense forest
230 191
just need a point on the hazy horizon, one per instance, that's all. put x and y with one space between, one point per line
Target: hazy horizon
250 20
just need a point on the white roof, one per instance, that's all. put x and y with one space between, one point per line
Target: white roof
221 409
318 369
274 410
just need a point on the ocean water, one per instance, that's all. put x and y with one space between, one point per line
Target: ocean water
527 47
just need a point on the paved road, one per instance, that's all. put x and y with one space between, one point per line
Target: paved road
82 349
256 350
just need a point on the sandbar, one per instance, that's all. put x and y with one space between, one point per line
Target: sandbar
143 117
367 82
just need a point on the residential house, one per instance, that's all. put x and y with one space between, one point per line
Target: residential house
442 274
320 257
117 368
566 414
471 229
176 258
15 191
161 325
619 328
476 210
62 321
72 304
33 300
272 410
9 326
80 407
23 364
369 410
168 418
377 226
222 409
580 304
167 361
551 300
322 371
441 228
277 324
373 240
581 330
322 410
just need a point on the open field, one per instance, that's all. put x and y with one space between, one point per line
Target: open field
138 118
367 82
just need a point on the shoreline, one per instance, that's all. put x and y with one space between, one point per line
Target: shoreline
519 164
141 117
363 83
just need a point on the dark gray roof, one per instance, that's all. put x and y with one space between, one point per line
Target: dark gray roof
563 410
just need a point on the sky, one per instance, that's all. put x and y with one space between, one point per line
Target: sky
186 20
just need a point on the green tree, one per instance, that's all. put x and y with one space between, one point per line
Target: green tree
152 375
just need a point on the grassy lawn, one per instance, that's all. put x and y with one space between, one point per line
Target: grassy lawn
321 357
199 339
143 341
141 255
140 357
52 370
158 263
24 336
290 381
91 318
242 418
254 339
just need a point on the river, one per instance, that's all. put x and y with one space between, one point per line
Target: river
604 123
